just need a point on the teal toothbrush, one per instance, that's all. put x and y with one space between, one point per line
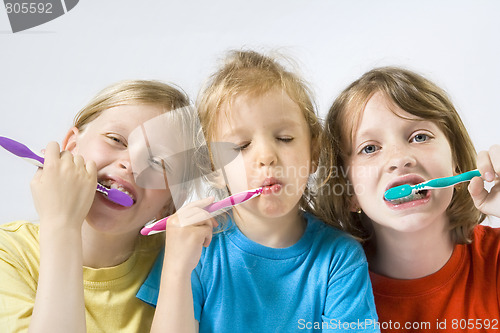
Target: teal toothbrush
405 190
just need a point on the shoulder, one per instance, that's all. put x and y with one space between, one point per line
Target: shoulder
486 240
18 235
19 247
330 236
341 249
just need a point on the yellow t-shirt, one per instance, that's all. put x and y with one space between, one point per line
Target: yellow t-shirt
110 302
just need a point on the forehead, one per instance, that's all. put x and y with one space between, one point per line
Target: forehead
126 116
269 109
382 114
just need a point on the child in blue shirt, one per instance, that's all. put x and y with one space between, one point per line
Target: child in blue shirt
274 267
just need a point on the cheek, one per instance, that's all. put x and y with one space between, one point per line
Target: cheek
237 173
363 180
97 153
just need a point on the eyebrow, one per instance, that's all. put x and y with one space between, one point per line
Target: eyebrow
234 132
426 123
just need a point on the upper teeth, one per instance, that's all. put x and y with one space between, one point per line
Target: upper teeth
111 184
408 198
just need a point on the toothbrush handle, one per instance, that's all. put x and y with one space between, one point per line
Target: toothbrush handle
21 150
24 152
450 181
230 201
161 225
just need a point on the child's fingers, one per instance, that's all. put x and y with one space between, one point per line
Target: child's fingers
206 226
67 156
477 191
494 153
91 169
485 166
79 162
52 152
486 202
208 239
198 218
36 177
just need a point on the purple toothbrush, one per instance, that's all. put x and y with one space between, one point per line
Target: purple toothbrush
24 152
233 200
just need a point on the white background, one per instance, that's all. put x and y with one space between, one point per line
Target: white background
49 72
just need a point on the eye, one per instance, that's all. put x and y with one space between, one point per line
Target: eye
369 149
117 138
158 163
421 137
285 139
242 146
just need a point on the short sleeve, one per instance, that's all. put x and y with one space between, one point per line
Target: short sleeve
350 305
18 285
150 289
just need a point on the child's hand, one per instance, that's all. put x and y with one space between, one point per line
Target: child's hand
63 191
488 163
187 231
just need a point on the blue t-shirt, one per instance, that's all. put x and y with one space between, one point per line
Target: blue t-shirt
321 283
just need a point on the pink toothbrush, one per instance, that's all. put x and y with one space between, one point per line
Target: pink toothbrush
24 152
233 200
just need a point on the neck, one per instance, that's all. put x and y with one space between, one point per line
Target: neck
275 232
411 255
105 250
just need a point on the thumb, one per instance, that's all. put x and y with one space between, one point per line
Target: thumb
480 196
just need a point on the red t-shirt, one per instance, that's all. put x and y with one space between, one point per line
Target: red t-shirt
463 296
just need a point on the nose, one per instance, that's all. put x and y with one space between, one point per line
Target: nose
123 162
400 159
266 155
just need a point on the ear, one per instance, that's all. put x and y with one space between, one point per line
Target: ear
69 143
353 204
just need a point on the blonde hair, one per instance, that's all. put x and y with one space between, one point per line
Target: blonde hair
254 74
417 96
134 92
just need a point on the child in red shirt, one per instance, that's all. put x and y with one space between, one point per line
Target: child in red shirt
433 267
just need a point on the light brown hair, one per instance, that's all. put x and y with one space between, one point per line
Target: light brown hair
416 95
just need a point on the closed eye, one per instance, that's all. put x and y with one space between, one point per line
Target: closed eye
285 139
242 146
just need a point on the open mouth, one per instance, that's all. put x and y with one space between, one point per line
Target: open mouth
412 197
111 184
410 179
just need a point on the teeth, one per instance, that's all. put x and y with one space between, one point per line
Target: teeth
414 196
112 185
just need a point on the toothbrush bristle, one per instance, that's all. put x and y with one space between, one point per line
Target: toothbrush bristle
414 195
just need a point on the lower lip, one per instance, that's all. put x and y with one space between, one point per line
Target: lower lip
273 189
409 204
103 198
